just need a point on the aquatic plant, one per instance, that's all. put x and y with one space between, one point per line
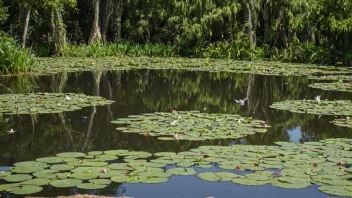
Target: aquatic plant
13 59
190 125
317 107
338 86
46 66
42 103
326 163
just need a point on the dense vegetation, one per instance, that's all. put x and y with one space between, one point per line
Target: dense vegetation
316 31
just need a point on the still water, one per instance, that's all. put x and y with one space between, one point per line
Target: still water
145 91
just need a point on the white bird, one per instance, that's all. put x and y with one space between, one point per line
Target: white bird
241 102
11 131
174 122
67 97
317 98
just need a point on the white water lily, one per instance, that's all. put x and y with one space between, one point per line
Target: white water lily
241 102
240 120
174 122
347 118
317 98
67 97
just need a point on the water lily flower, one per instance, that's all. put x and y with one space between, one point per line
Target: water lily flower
341 163
174 122
317 98
347 118
11 131
347 84
278 174
230 133
315 165
16 107
241 102
342 102
68 97
265 125
103 170
238 167
240 120
172 157
176 137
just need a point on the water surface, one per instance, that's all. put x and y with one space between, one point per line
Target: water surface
145 91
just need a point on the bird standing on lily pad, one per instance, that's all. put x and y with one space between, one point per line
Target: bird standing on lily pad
241 102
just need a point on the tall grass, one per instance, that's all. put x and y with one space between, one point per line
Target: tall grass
13 59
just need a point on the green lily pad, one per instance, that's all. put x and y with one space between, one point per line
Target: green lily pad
249 182
100 181
27 189
344 191
209 176
182 171
84 176
65 183
193 126
50 160
4 187
61 167
70 154
17 178
48 174
91 186
37 182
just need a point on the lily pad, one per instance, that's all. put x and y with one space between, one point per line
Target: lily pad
17 178
91 186
8 186
37 182
66 183
70 155
193 126
182 171
27 189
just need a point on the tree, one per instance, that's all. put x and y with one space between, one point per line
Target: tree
95 34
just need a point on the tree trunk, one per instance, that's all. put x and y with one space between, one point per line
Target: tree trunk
250 26
95 30
25 27
58 31
118 8
107 13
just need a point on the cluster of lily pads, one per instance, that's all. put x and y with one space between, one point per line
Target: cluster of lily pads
51 66
42 103
318 107
331 78
343 122
326 163
191 125
338 86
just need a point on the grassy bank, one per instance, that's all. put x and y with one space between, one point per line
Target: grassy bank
297 53
12 58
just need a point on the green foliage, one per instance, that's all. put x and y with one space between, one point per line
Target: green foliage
120 49
12 59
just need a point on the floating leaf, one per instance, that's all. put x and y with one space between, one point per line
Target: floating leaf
66 183
27 189
70 154
91 186
37 182
182 171
17 178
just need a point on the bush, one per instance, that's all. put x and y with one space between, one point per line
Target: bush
119 49
13 59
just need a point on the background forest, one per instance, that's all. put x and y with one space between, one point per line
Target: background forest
308 31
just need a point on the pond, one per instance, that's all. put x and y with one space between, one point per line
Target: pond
143 91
